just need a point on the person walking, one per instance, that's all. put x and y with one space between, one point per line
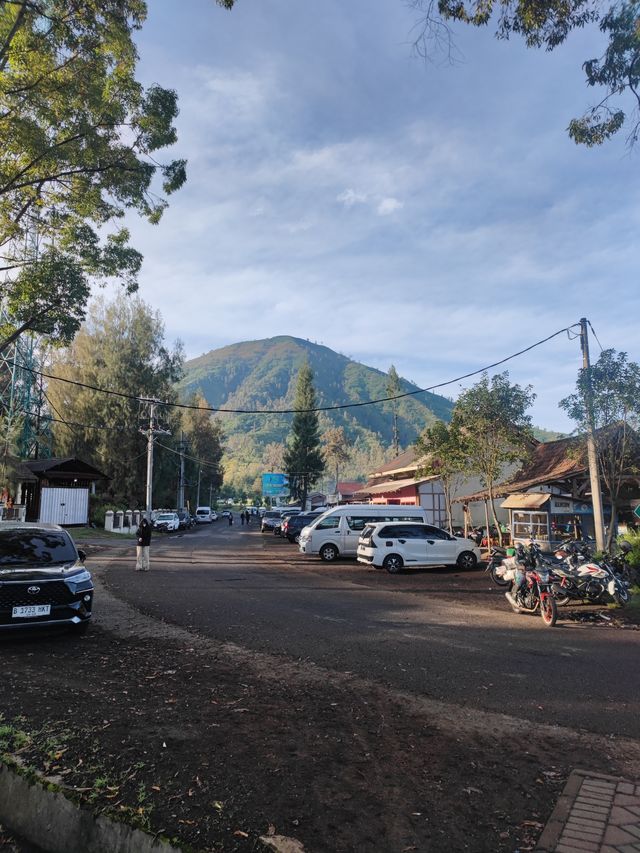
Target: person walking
242 518
230 519
143 536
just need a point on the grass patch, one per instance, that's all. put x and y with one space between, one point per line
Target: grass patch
81 533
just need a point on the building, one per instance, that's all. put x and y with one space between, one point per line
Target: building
54 490
549 498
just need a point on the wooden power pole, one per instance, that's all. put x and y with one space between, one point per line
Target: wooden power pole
594 473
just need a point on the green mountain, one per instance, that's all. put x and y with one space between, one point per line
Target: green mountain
262 375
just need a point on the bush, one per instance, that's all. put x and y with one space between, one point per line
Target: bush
634 555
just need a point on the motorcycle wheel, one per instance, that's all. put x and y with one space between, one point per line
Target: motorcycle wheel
497 579
621 596
548 610
560 597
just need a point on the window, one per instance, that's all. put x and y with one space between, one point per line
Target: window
530 525
436 533
359 522
331 521
27 548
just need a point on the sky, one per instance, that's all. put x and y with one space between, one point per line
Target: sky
426 214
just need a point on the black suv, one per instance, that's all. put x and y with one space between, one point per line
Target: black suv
43 581
292 525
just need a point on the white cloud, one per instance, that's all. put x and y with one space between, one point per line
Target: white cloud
388 206
350 197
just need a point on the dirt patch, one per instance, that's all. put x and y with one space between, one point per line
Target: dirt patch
215 746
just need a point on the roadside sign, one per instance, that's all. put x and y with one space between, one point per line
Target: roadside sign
637 511
275 485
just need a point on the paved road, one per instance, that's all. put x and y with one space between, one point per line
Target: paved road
441 633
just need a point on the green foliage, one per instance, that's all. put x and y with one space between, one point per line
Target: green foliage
335 449
441 448
494 429
303 460
121 348
547 25
607 396
633 537
79 137
262 374
204 437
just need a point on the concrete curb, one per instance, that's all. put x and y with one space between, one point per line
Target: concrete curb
54 823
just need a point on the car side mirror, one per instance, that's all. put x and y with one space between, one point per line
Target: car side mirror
82 556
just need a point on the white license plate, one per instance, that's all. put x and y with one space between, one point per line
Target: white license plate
31 610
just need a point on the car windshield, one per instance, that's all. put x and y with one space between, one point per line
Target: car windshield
35 547
272 514
165 516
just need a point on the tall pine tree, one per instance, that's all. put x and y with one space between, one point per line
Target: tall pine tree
303 460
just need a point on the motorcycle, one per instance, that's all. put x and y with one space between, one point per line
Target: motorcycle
494 563
536 591
577 577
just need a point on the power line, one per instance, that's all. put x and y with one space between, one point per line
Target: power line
337 407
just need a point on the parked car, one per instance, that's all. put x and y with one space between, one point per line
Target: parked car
167 521
270 521
293 524
335 533
185 520
43 580
203 515
409 544
225 513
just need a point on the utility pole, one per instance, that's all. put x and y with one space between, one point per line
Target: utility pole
150 432
198 492
594 474
182 446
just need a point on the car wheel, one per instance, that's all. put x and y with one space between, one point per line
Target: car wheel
467 560
328 553
393 563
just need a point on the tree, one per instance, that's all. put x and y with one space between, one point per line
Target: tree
393 389
494 429
303 460
335 449
547 25
442 451
610 389
79 141
119 348
204 437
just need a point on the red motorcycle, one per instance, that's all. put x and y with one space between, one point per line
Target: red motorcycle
535 593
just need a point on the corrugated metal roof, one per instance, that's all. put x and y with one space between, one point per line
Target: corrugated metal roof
392 486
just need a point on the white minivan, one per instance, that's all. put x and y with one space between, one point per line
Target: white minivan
336 532
204 515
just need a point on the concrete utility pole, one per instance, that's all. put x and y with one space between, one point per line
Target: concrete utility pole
182 446
594 473
150 432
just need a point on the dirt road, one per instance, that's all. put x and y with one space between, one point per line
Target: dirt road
217 744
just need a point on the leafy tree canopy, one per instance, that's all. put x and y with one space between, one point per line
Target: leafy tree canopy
607 397
79 141
547 25
120 347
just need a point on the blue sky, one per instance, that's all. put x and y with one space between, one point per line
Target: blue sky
427 215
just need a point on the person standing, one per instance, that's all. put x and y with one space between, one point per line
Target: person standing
230 519
242 518
143 536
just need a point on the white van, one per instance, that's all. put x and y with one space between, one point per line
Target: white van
204 515
336 532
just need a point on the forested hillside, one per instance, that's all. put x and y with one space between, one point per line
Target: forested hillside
262 375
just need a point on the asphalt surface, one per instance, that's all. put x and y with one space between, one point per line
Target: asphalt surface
442 633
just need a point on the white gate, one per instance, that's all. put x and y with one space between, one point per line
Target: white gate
64 506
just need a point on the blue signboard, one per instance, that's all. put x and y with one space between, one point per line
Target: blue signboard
275 485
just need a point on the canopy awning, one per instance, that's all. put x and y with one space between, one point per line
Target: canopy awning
526 500
392 486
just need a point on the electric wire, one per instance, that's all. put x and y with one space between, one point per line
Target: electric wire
336 407
595 336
